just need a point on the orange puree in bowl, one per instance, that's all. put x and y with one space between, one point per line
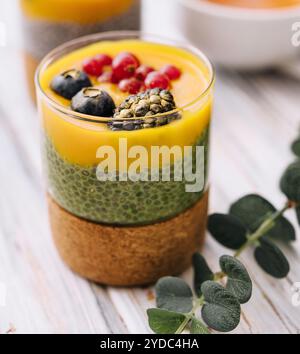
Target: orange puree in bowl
77 141
258 4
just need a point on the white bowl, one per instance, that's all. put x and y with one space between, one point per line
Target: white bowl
239 38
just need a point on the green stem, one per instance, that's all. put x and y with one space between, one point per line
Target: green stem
181 328
189 316
219 276
264 228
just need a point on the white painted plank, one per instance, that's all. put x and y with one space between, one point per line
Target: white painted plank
255 119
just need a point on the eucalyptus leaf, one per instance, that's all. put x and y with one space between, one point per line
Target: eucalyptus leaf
221 310
298 214
202 272
239 282
174 294
290 182
163 321
227 230
271 259
197 327
296 147
253 209
283 231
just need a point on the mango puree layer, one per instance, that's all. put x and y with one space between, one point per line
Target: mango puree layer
71 144
78 141
78 11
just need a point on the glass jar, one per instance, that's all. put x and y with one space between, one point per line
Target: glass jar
129 225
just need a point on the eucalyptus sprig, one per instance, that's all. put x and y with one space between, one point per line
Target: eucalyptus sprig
252 222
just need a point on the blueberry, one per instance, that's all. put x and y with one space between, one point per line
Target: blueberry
93 101
70 82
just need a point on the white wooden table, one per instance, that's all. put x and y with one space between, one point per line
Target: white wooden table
256 118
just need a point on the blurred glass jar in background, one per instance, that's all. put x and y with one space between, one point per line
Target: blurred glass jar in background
47 24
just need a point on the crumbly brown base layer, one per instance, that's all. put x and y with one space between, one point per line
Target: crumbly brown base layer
128 256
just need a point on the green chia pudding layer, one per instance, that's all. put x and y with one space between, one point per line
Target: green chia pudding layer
77 189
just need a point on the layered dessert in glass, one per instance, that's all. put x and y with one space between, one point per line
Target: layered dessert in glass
47 24
126 121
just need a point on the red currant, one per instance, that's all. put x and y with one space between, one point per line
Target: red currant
124 65
142 72
132 85
103 59
171 71
107 77
157 80
94 66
